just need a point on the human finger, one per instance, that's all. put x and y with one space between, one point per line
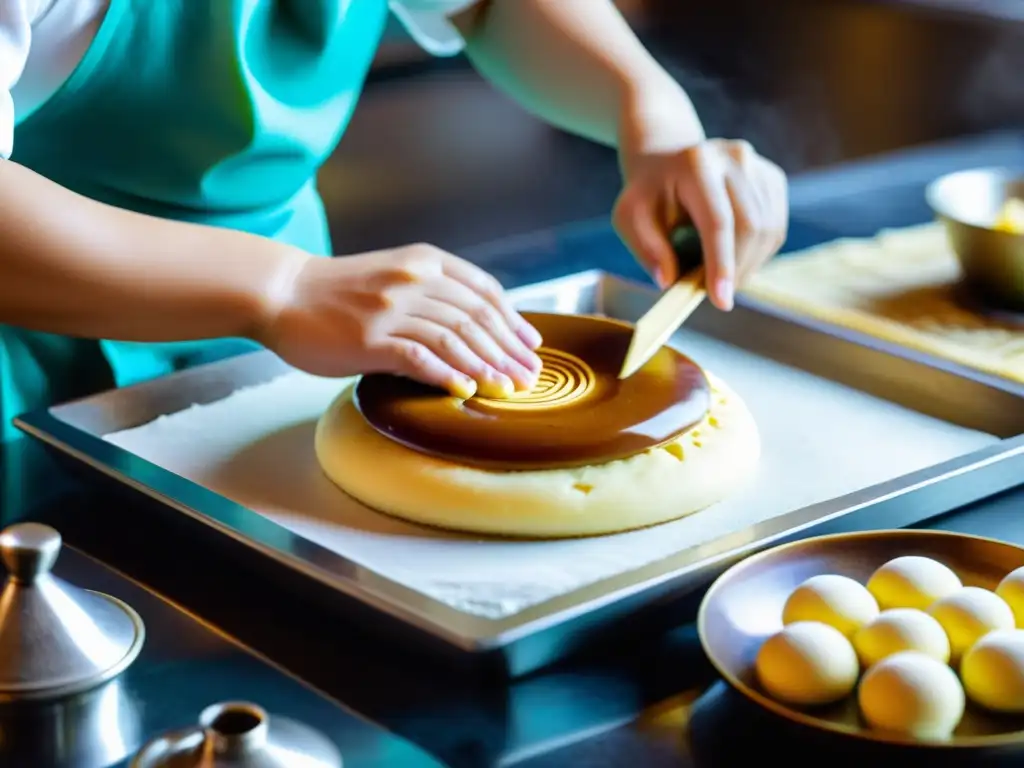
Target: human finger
449 347
705 197
488 337
407 357
636 220
487 287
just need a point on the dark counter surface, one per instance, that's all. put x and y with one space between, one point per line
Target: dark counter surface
633 705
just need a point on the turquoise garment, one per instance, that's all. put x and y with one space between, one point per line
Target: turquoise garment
213 111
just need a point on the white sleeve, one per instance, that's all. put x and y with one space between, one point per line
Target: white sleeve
427 23
15 38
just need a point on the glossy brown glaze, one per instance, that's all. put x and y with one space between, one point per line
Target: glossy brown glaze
744 607
579 413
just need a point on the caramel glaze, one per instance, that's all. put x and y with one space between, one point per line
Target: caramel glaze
579 414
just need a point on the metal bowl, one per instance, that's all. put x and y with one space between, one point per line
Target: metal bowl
744 607
968 203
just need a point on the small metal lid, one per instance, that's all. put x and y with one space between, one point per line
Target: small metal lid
56 640
240 735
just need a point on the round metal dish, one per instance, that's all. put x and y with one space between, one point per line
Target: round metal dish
968 203
744 607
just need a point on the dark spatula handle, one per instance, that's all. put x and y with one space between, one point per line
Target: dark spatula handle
689 252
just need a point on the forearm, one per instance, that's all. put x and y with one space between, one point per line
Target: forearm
73 266
578 65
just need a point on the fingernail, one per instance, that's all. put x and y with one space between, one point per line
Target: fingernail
526 385
658 274
463 388
522 376
528 380
724 289
498 386
529 334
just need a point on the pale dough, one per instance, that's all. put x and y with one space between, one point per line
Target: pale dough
838 601
807 664
1011 589
900 286
914 694
912 581
701 467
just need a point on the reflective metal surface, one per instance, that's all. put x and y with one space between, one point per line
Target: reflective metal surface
56 639
184 666
240 735
968 203
96 729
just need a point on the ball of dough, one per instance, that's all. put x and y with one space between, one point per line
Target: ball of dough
701 467
838 601
912 582
1011 589
993 671
901 629
913 694
969 615
807 663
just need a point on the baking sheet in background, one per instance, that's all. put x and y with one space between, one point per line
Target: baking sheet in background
902 286
820 440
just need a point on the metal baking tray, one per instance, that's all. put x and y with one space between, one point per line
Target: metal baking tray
544 632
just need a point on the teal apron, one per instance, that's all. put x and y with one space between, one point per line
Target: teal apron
212 111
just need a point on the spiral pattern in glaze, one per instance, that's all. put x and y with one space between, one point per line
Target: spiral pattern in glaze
563 378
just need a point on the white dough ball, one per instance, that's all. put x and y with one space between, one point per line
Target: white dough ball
912 582
838 601
912 694
993 671
901 629
969 615
1011 589
807 663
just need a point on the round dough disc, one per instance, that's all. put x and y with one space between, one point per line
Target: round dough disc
700 468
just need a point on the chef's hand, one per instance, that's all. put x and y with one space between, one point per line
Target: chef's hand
737 200
415 311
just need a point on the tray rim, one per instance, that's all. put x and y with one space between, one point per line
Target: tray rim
473 632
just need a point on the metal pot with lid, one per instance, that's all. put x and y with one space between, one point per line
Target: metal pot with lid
240 735
56 640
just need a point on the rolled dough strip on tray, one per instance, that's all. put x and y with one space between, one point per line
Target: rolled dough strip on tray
900 286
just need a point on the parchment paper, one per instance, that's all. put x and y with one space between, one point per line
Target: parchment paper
820 440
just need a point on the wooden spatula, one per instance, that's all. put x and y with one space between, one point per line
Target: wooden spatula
675 305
